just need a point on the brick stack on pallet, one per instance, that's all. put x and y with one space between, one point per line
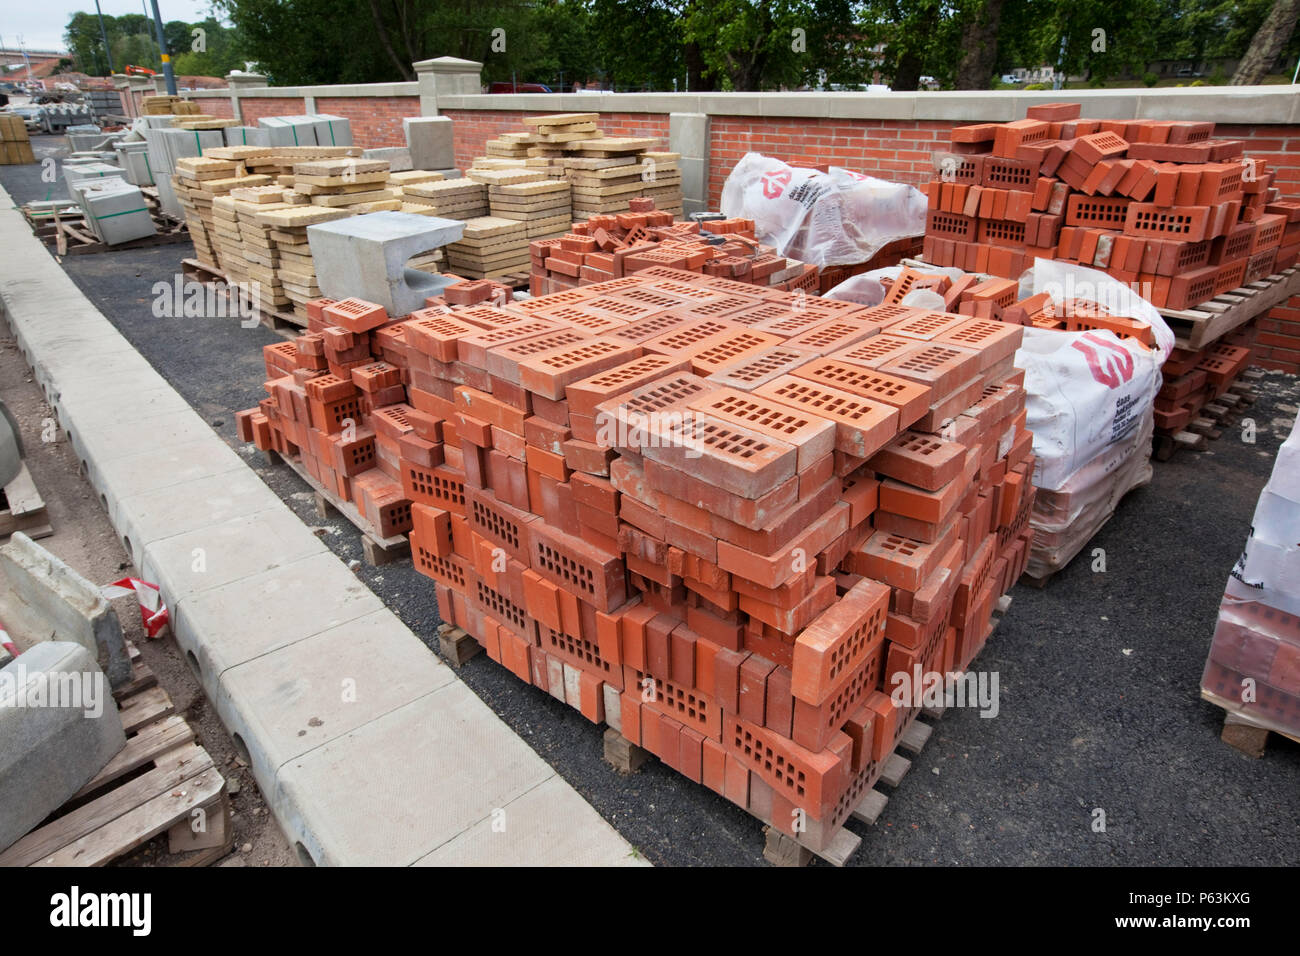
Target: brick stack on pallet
1253 668
610 246
717 518
605 172
15 144
1161 204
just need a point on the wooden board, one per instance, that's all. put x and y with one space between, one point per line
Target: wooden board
23 509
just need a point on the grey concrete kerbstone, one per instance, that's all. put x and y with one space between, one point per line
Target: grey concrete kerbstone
430 140
299 697
374 770
48 753
549 822
43 599
365 256
260 613
159 514
194 561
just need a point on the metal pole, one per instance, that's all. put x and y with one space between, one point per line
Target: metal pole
162 51
104 34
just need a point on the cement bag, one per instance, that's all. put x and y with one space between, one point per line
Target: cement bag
1086 390
1253 668
828 219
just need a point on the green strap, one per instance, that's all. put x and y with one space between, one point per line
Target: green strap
198 143
124 212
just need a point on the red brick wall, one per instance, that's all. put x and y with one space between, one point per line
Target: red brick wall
898 150
253 108
216 107
376 120
473 128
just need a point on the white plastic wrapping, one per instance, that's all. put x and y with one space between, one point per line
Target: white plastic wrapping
829 219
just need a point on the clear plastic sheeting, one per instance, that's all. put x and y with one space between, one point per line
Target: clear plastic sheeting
835 218
1253 669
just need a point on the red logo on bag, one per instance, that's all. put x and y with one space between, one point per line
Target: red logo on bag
1112 368
774 183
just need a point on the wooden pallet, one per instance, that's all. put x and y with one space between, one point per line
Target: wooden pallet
161 782
22 508
781 849
1198 327
1242 732
378 550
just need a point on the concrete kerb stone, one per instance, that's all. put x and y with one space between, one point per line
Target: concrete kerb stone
347 797
50 750
365 256
42 599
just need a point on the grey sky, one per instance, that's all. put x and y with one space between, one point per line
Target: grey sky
41 24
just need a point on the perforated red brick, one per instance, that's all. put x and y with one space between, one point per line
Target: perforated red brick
911 399
549 373
994 341
737 459
877 350
922 460
861 425
473 348
726 349
812 435
838 641
940 367
503 360
595 576
812 782
1171 222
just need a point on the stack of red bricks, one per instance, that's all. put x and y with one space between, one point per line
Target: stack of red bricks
716 517
1193 378
608 247
1159 204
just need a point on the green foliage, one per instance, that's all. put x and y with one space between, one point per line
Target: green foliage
1036 86
133 41
1150 79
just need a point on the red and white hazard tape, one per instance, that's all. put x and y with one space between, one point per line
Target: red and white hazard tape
153 612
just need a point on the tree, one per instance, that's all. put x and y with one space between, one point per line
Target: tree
979 43
1267 43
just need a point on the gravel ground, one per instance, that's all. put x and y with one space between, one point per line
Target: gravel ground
1099 672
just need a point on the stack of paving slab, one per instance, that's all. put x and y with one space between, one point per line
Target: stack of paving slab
718 517
252 226
115 210
605 172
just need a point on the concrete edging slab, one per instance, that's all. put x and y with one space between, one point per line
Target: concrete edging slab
407 764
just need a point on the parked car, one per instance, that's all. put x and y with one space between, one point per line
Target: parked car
506 86
1188 71
1010 78
31 117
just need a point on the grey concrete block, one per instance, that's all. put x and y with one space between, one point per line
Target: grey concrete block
429 138
59 726
366 257
42 599
688 134
397 157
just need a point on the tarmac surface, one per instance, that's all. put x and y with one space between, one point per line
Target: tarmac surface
1098 673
